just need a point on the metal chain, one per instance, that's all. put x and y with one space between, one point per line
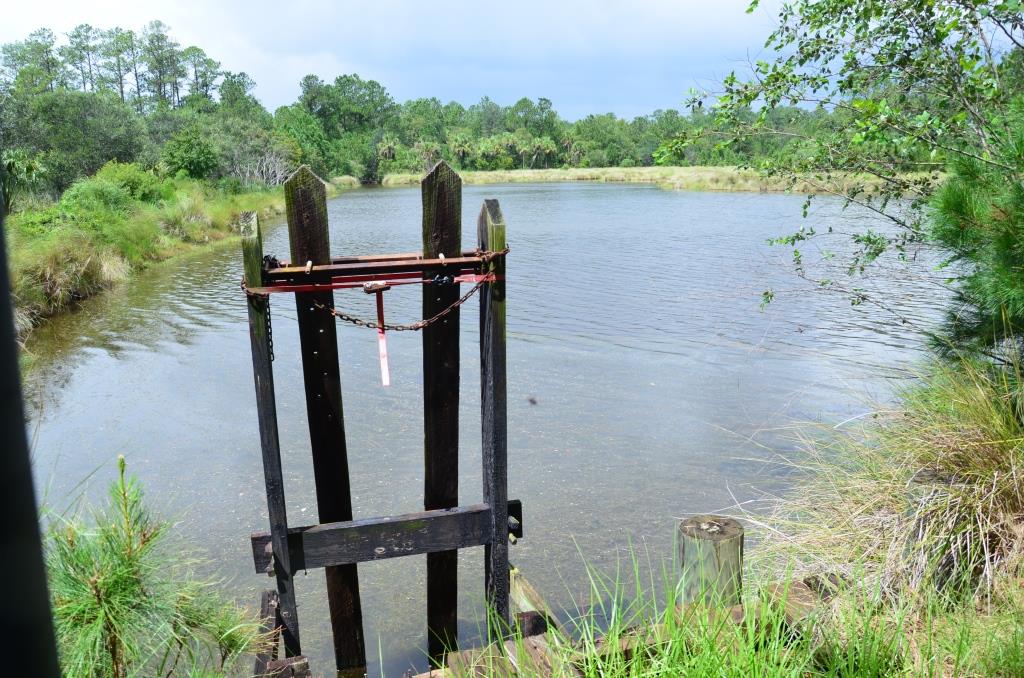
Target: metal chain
485 257
411 327
270 330
263 299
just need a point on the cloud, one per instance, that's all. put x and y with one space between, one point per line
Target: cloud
626 57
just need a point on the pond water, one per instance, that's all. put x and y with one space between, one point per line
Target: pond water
645 384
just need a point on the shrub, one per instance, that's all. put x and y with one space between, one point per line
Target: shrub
140 184
95 194
191 151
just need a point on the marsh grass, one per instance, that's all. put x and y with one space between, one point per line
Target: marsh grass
926 498
121 220
126 604
702 178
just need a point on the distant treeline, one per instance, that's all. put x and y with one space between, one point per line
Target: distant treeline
70 104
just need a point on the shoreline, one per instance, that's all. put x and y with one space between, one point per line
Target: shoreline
271 203
33 268
697 178
692 178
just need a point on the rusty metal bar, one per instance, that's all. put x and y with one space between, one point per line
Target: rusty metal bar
324 272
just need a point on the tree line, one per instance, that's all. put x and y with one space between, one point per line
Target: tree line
69 104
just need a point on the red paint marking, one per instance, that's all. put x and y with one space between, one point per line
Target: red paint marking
382 342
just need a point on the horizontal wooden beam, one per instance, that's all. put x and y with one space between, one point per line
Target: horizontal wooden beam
325 272
357 541
367 258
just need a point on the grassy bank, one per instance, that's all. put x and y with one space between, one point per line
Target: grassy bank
854 636
676 178
915 514
110 225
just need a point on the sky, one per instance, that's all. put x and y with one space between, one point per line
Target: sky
628 58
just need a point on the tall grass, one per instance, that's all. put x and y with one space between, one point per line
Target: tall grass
126 604
918 514
118 221
928 497
631 625
676 178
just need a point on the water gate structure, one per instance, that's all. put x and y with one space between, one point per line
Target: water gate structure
339 542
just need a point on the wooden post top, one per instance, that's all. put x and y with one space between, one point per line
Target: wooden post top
711 528
305 198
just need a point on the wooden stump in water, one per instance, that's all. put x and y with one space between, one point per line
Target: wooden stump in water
711 554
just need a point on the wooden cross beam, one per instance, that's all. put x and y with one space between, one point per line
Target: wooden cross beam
358 541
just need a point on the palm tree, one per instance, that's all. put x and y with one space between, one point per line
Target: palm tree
387 146
429 152
461 145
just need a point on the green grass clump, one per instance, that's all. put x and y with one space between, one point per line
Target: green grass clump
630 624
125 604
928 497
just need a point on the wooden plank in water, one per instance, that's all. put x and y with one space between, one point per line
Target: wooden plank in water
532 656
525 598
266 412
489 662
357 541
306 207
442 235
494 421
269 624
293 667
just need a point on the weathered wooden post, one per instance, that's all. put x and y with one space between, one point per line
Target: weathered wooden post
442 237
266 411
338 542
25 618
306 206
711 554
494 423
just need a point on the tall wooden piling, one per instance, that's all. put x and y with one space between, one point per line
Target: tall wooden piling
494 450
266 410
26 623
442 236
711 555
306 206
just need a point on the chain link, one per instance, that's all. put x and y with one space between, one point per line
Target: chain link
270 330
264 301
411 327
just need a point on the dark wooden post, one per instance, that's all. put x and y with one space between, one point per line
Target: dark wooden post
306 205
266 410
442 235
491 237
26 623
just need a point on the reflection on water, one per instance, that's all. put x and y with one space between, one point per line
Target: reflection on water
644 384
